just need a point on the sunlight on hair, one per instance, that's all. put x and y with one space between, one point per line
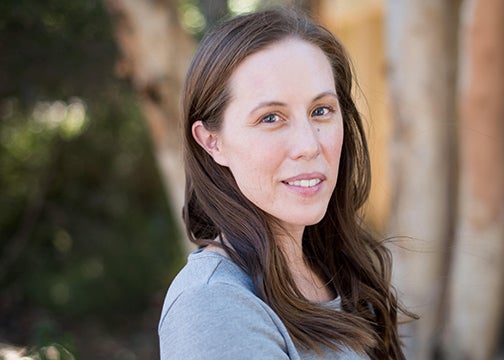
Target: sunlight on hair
237 7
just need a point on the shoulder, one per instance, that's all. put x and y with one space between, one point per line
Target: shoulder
202 269
217 316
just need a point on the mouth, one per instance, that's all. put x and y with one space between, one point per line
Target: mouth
307 183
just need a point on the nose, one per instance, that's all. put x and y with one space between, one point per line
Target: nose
305 142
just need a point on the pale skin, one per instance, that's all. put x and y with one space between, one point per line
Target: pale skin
281 138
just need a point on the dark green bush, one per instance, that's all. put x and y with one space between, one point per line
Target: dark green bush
85 226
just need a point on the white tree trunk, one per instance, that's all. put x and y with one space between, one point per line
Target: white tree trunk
477 286
422 62
155 55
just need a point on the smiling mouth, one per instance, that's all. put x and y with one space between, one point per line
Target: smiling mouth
304 183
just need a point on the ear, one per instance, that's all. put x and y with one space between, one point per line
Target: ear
209 141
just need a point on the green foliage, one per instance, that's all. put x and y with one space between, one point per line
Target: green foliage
105 233
54 48
104 238
85 226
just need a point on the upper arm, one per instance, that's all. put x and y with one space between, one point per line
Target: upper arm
219 321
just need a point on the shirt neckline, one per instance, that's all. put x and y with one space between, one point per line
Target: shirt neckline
199 253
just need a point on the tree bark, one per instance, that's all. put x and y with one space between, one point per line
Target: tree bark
422 56
477 286
360 27
156 53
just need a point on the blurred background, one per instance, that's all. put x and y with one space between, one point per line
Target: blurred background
91 179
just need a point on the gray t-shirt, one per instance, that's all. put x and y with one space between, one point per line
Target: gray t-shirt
211 312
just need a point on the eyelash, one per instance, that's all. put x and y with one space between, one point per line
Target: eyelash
328 110
263 119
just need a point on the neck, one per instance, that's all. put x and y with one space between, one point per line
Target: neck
309 283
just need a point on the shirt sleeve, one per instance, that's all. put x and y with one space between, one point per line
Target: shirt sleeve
219 321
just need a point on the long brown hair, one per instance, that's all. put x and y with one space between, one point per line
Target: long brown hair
338 248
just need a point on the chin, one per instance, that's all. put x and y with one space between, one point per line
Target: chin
312 220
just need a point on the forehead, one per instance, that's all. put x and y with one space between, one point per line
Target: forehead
290 65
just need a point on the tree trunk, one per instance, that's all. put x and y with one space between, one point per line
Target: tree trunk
477 286
155 55
360 27
421 37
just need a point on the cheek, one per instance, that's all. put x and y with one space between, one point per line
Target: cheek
253 154
333 142
254 168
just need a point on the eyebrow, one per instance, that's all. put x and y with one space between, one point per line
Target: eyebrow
279 103
326 93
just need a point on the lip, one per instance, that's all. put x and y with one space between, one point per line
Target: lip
305 191
307 176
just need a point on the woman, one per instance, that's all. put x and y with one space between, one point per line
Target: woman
277 168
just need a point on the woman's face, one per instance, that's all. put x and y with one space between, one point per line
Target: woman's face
282 132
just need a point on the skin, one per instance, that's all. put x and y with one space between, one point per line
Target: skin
281 138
